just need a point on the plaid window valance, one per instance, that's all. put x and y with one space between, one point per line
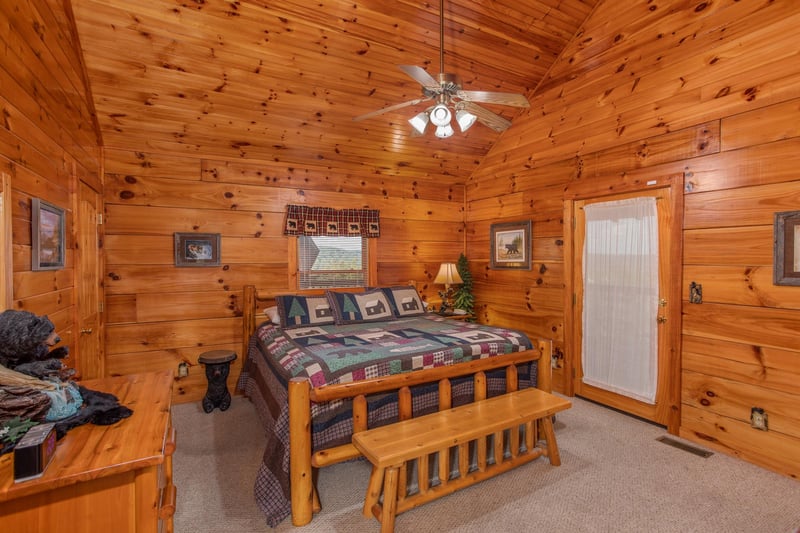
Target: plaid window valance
305 220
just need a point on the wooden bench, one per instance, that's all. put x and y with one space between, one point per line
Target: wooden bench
490 437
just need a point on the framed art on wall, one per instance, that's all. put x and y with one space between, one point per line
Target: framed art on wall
786 264
511 245
197 249
47 236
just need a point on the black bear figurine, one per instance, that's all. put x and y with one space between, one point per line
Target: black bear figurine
218 366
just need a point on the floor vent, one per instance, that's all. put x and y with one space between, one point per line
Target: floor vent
685 447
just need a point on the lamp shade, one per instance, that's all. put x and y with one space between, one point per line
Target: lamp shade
445 131
448 275
419 122
465 119
440 115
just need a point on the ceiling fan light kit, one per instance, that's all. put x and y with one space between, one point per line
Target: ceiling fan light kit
451 99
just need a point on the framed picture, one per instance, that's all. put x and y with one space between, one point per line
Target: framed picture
197 249
786 264
511 245
47 236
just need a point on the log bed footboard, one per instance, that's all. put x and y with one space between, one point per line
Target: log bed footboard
305 500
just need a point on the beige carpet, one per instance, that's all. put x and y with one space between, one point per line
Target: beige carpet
614 477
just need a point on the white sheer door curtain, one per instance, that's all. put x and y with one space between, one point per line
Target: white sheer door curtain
620 289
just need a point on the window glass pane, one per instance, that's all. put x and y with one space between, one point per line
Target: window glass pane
326 262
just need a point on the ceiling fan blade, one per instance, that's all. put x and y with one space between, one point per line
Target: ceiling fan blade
486 117
489 97
421 76
390 108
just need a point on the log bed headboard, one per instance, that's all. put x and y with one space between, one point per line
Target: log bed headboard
256 300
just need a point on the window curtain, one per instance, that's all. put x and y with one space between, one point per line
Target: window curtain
325 221
620 308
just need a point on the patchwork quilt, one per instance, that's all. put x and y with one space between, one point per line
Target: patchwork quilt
330 354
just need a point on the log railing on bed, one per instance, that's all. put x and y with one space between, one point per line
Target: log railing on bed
303 460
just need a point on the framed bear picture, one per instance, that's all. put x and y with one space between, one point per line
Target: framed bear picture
511 245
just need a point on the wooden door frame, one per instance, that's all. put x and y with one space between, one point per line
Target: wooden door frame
597 187
81 186
6 244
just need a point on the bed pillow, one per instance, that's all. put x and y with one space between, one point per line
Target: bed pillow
355 307
272 314
297 311
405 301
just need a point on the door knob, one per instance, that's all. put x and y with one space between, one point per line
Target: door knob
87 331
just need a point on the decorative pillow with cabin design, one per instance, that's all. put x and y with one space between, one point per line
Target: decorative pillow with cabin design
296 311
405 301
354 307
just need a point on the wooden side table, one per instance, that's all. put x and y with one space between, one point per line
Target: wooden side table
103 478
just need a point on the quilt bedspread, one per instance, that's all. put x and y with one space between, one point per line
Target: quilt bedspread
341 354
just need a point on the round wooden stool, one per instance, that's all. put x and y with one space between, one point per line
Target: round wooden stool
218 366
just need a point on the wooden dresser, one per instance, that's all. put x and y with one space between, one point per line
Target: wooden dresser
103 478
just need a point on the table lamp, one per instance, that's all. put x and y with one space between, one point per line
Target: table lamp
447 276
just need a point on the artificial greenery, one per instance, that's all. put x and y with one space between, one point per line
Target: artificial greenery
12 430
463 298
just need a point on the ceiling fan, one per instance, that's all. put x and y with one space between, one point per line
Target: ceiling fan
450 99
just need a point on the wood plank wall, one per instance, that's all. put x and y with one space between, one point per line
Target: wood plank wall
159 315
47 142
709 89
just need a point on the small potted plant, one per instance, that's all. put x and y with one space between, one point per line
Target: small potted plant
463 298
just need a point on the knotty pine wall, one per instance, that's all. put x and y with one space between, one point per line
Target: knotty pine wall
159 315
47 143
708 89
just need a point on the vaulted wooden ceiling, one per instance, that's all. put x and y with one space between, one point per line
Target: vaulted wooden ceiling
281 80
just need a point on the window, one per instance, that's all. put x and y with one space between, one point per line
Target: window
327 262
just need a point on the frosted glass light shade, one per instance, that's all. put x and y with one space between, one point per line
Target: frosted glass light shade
445 131
440 115
465 119
419 122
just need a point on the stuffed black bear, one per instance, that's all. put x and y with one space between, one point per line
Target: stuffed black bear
26 339
25 346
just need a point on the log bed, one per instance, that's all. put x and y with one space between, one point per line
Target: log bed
303 459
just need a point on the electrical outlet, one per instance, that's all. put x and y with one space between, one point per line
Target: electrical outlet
758 418
183 369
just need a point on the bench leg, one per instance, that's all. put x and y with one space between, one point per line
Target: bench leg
373 491
550 439
389 499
